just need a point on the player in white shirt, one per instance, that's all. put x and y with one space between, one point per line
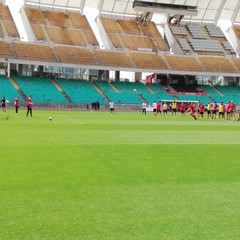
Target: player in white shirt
144 106
154 106
111 106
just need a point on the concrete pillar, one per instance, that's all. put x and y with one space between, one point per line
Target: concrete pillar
8 70
138 76
40 71
100 74
106 75
237 81
117 76
103 74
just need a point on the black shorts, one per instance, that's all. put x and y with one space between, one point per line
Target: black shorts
209 111
174 110
154 110
214 111
111 109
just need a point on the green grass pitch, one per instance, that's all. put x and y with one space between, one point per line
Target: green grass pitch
94 176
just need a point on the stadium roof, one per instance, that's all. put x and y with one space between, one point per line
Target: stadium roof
208 10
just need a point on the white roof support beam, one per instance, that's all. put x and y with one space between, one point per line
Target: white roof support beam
82 6
235 13
228 10
208 10
100 5
219 11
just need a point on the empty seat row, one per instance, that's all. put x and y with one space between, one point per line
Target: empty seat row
178 30
214 31
196 31
206 45
184 44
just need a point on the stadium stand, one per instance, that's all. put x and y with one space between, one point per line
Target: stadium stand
8 27
61 27
237 31
104 86
148 61
214 31
200 45
184 44
59 19
210 91
229 90
186 63
131 87
189 98
150 98
205 39
133 35
8 90
156 88
223 93
35 52
113 58
236 62
217 64
36 16
125 93
74 55
81 91
124 98
42 89
40 33
5 50
185 88
66 36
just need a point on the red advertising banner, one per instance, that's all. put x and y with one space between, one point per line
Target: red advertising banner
150 78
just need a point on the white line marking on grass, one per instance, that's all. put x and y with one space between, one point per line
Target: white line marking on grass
77 121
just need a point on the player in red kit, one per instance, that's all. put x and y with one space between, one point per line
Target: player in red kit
159 108
232 109
192 110
228 110
182 109
16 103
214 110
201 109
29 106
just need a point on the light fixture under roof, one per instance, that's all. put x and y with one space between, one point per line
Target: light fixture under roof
165 8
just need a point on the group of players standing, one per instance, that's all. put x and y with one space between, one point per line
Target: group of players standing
29 104
213 110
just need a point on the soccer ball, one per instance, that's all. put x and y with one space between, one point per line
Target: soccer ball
50 118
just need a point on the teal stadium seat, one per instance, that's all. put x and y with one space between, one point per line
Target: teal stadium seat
160 94
81 91
42 89
8 90
129 87
126 94
203 99
229 93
